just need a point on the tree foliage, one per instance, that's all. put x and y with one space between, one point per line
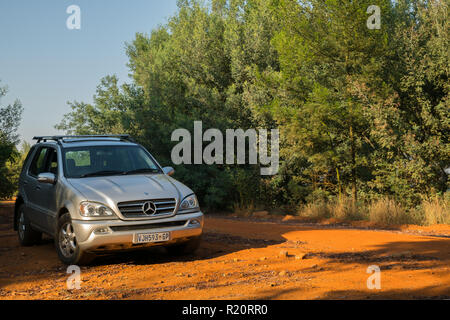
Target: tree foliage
10 117
361 112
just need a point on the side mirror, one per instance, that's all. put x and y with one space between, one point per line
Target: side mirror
169 171
47 177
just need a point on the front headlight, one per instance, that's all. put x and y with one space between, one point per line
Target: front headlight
95 210
190 202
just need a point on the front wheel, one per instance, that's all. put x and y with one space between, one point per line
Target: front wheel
185 248
66 243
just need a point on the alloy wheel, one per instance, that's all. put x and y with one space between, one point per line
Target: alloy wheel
21 227
67 240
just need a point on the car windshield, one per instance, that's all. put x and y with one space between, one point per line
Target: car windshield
95 161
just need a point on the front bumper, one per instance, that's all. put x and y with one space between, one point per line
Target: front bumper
114 235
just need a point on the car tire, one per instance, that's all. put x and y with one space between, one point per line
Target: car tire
66 244
185 248
27 235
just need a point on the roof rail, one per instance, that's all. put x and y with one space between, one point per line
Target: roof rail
123 137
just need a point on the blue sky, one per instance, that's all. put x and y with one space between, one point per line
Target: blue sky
44 64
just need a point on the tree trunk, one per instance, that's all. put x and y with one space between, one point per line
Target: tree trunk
353 155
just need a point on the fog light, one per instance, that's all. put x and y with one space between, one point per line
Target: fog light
101 231
194 222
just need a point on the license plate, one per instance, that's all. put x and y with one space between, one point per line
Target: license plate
152 237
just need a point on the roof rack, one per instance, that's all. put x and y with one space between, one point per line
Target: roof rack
122 137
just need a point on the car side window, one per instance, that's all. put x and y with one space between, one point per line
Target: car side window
25 162
38 163
52 161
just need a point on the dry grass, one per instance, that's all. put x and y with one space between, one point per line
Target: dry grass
383 212
347 209
388 212
314 211
436 211
340 210
244 210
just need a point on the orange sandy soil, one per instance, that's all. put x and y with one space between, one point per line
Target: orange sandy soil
244 259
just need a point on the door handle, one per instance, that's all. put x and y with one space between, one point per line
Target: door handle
38 188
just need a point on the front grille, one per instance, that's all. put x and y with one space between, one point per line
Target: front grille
133 209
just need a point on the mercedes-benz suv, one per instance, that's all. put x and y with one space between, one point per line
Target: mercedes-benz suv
100 194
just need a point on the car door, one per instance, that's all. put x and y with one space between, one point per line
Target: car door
32 189
49 191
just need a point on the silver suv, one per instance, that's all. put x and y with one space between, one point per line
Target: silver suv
100 194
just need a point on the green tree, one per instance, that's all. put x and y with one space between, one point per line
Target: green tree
190 69
325 50
362 112
414 139
10 117
14 165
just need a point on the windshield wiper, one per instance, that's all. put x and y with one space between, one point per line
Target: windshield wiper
143 170
101 173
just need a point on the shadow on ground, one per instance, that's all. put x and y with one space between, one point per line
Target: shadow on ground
425 293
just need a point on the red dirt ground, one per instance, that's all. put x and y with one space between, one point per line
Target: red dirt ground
244 259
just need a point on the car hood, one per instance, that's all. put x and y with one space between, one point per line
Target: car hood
114 189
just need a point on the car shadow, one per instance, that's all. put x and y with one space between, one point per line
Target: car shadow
213 245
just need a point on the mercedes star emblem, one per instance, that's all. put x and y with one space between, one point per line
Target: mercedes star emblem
149 208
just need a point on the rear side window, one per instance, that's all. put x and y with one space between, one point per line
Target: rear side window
25 163
38 163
